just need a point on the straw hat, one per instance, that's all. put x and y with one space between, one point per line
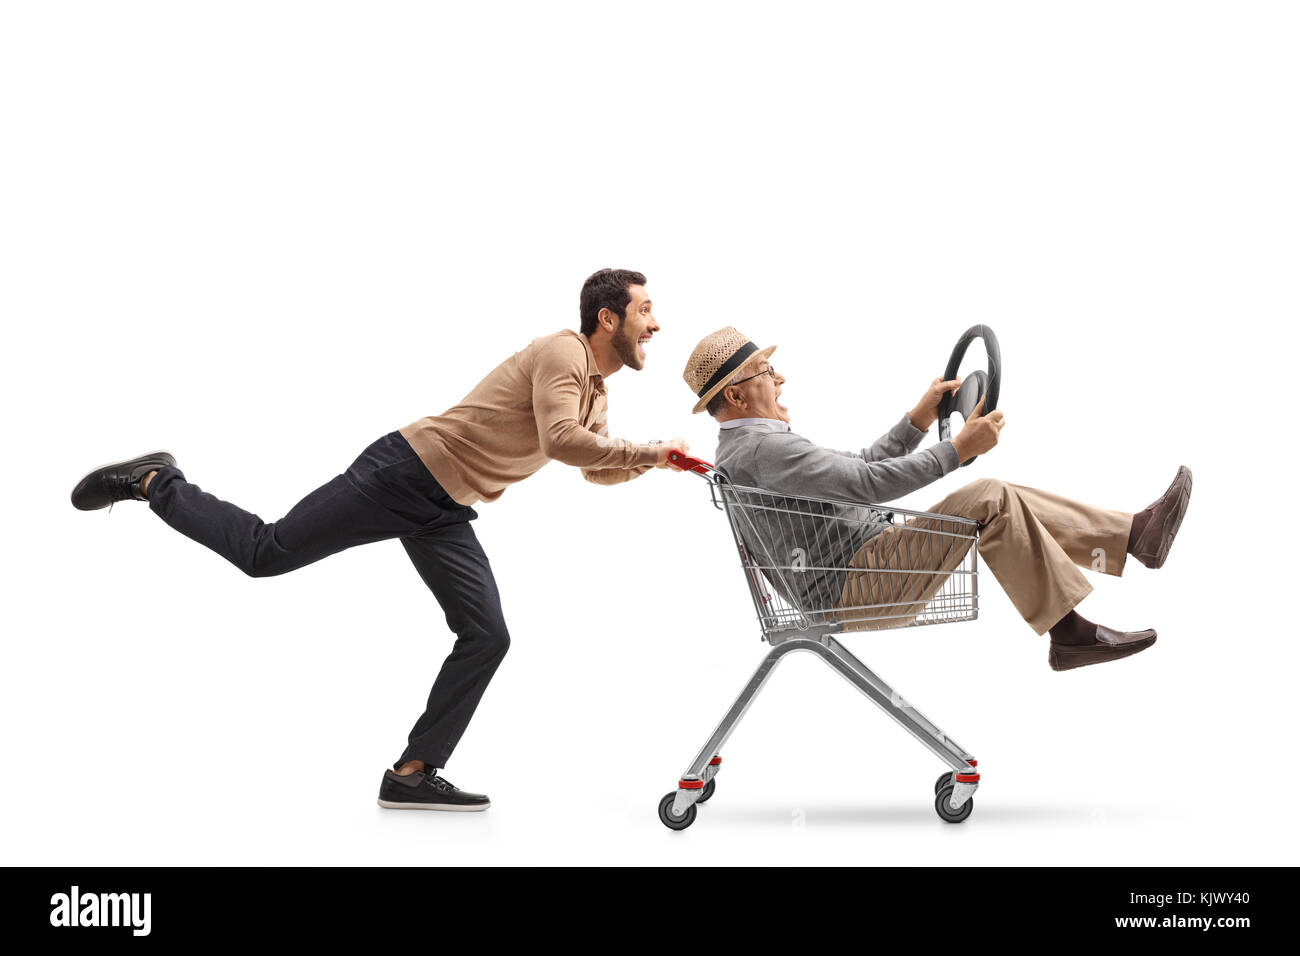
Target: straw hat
715 362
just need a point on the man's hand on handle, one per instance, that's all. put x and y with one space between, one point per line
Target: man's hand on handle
673 444
926 411
980 433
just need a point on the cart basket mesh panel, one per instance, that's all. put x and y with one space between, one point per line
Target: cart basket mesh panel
812 561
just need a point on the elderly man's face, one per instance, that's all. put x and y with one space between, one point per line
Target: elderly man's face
760 392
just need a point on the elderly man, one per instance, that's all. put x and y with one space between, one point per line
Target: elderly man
1032 540
545 402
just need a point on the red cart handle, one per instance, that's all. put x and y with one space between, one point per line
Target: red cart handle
687 463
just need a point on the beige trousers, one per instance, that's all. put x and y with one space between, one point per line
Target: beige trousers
1031 540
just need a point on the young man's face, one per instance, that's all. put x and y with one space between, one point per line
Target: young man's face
760 394
635 329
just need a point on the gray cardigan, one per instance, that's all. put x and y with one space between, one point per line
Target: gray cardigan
819 538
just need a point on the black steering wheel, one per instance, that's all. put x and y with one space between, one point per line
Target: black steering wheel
975 385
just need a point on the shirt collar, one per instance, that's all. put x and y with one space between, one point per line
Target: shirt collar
771 424
593 371
592 368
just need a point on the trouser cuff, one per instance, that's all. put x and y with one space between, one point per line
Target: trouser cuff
1044 620
158 486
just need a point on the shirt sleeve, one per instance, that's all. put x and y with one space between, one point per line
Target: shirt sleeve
559 373
900 440
794 465
614 476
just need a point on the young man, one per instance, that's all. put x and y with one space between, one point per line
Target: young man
1032 540
417 484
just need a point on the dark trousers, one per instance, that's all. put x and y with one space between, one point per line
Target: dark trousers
386 493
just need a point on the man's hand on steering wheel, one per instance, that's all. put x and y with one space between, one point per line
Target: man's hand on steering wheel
927 409
980 432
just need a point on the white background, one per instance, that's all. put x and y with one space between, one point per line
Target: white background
261 235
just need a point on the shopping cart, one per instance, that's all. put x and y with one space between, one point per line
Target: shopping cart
816 568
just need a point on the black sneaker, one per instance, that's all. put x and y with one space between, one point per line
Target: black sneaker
426 791
117 482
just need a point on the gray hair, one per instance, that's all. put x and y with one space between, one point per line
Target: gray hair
719 401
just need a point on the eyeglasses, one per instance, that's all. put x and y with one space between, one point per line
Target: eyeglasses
767 371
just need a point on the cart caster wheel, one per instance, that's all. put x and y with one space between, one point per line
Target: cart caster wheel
947 813
667 818
944 780
708 792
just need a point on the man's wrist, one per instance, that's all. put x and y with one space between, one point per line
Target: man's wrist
921 421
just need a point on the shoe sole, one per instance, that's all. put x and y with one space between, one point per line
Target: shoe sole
1069 658
1173 520
114 464
396 805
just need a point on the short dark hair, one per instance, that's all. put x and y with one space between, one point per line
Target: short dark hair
606 289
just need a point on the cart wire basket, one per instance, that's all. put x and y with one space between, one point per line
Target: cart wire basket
819 567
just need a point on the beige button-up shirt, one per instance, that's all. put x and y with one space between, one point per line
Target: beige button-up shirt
548 401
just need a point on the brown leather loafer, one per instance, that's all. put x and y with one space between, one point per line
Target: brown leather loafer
1152 546
1109 646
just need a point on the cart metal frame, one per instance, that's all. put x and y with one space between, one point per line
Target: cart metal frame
927 580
